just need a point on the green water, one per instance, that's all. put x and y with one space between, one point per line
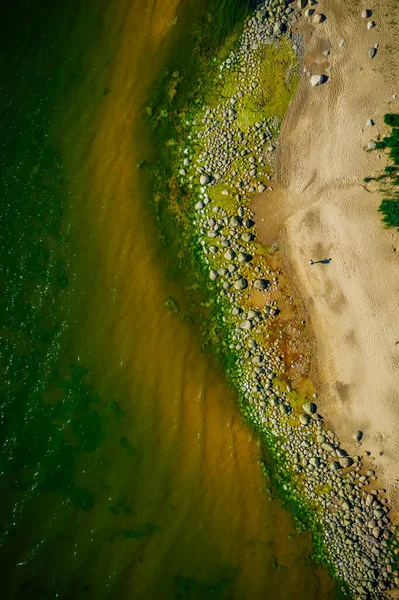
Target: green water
126 470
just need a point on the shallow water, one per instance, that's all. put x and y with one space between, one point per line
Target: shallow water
126 470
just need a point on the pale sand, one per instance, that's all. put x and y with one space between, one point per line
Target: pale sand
324 210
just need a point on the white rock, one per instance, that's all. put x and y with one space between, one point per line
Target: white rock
317 80
204 179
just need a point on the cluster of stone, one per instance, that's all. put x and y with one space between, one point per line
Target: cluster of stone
229 155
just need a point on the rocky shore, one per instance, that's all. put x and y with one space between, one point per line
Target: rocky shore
228 156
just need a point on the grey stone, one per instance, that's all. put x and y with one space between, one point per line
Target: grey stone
204 179
261 284
246 237
241 284
248 223
376 532
213 275
328 447
309 408
318 18
316 80
366 13
304 419
229 254
372 52
335 466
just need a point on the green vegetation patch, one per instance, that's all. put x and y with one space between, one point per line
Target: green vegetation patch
389 207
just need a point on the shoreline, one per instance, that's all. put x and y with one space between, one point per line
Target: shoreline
224 161
374 416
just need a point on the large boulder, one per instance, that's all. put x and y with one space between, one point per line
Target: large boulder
304 419
261 284
318 18
248 223
229 254
372 52
205 179
366 13
240 284
316 80
235 222
309 408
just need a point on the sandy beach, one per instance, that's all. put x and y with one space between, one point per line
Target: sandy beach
326 211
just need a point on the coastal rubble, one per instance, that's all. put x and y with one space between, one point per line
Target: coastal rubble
226 164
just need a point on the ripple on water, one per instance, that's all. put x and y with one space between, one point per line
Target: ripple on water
129 471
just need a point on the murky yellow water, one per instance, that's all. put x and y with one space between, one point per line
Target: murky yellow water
180 509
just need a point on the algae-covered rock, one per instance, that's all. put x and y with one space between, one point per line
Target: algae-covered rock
172 306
